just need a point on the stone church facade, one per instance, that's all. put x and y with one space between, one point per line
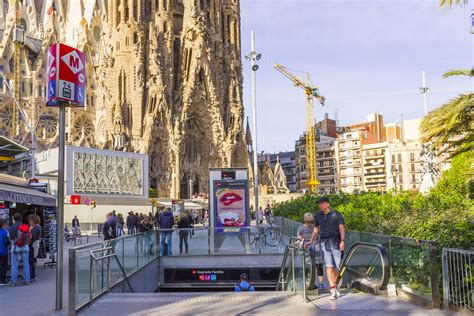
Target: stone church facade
164 77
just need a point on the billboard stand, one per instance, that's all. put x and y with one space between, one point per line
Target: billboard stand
229 205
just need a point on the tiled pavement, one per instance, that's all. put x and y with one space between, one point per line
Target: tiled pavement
260 303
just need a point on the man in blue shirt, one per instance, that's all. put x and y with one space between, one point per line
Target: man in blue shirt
244 285
4 242
330 225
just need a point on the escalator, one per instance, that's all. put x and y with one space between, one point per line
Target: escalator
366 268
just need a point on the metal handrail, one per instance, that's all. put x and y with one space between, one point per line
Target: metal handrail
93 258
383 257
290 247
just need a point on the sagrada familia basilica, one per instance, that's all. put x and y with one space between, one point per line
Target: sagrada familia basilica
164 77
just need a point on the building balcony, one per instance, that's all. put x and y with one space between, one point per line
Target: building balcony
375 165
374 174
375 184
374 156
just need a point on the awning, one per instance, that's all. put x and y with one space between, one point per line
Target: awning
187 205
12 193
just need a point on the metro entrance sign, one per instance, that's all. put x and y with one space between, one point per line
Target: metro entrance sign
66 76
66 87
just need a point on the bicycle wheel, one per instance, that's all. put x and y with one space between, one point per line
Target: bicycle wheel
253 237
272 238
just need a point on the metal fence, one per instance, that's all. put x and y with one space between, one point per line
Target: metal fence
458 280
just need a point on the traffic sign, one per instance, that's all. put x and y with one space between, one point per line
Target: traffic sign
66 76
75 199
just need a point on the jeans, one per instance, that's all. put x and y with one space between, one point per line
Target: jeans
166 236
32 262
331 254
130 229
24 255
183 237
3 268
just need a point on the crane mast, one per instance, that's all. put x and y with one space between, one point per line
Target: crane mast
18 41
311 92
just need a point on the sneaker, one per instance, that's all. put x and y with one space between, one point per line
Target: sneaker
25 283
321 286
333 294
32 280
338 293
12 284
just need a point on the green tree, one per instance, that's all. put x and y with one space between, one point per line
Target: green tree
450 127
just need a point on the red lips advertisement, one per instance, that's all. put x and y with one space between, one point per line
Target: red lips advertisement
230 208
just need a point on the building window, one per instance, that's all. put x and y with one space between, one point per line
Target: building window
412 167
412 157
399 157
400 179
413 178
393 158
40 90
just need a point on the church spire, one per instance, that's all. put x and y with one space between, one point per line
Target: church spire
248 135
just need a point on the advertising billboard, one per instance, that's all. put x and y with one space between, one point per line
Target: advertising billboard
231 202
66 76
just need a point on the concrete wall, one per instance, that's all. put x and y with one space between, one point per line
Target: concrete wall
143 281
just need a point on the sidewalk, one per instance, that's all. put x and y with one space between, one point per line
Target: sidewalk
39 298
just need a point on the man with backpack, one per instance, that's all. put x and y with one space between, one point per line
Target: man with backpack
244 285
20 251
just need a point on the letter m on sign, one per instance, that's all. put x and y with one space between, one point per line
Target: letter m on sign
73 61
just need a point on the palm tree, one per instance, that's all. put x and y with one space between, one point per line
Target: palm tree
450 127
450 3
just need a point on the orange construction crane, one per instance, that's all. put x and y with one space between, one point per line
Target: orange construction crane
311 92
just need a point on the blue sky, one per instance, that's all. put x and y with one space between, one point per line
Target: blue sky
365 56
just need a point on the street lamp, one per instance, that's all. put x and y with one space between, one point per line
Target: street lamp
253 56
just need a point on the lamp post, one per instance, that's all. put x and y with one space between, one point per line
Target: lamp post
394 177
253 56
424 91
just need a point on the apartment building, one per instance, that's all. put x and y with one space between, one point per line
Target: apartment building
349 151
375 160
325 137
326 164
403 168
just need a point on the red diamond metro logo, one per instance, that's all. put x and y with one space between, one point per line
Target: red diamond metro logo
73 61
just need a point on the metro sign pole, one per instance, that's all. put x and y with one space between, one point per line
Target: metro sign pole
66 87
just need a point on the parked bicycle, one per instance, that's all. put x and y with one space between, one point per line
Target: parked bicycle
266 235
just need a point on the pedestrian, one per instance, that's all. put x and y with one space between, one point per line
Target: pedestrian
35 231
305 231
268 213
129 223
119 224
191 224
166 231
20 251
184 226
244 285
156 219
260 216
136 221
13 230
110 228
330 225
75 222
4 243
146 227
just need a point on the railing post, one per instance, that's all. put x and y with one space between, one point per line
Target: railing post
444 267
433 254
293 270
91 280
72 283
209 240
108 274
304 276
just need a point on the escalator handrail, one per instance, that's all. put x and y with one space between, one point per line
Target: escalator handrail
383 256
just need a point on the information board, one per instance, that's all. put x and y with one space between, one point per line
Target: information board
50 231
